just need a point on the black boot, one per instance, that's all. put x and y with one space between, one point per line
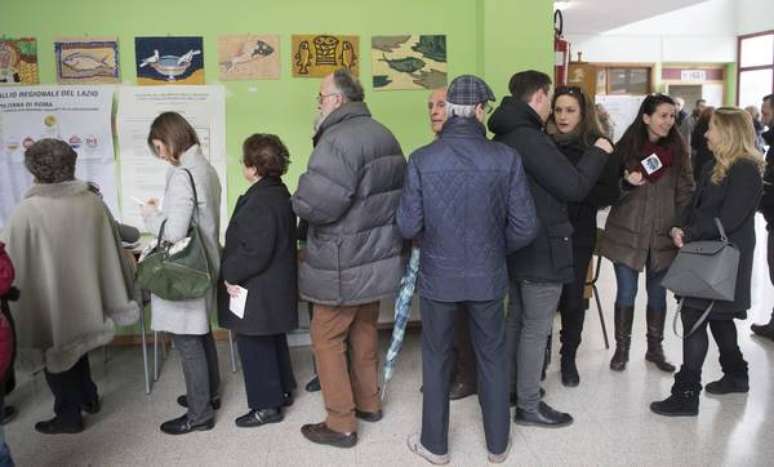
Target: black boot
655 352
623 316
570 376
735 378
684 401
765 330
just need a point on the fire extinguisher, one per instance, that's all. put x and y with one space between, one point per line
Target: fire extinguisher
561 51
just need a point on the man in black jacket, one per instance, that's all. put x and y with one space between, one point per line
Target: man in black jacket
767 203
538 272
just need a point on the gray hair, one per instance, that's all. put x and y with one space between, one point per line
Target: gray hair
456 110
51 161
349 86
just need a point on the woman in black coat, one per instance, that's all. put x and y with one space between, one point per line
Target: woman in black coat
574 128
729 189
260 256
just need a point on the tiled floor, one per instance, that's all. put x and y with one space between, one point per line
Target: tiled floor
613 423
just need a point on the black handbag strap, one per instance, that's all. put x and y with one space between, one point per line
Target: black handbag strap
698 322
194 216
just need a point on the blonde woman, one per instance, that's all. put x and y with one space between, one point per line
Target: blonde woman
729 189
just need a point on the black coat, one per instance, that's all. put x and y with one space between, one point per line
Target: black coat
554 181
733 201
701 152
767 201
260 255
606 191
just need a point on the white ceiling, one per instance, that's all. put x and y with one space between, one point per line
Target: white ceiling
597 16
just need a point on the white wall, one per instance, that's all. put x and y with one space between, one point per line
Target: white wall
702 33
754 16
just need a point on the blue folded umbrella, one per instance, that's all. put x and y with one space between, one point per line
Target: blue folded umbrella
402 311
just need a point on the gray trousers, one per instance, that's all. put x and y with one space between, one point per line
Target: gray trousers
488 337
200 369
531 309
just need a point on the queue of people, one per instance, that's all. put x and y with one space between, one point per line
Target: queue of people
510 219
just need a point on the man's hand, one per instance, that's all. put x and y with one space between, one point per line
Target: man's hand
604 144
634 178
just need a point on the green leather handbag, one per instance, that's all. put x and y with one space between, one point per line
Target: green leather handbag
180 270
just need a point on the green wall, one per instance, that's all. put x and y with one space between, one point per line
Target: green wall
730 94
492 38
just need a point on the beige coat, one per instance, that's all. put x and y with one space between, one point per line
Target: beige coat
75 283
189 316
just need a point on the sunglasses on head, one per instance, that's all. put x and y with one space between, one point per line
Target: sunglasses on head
571 90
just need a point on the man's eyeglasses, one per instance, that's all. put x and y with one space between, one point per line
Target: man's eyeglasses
322 97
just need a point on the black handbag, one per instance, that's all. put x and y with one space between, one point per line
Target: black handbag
706 270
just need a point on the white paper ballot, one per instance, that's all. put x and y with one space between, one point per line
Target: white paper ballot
237 304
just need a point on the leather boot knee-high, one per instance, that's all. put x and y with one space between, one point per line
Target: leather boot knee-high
623 317
655 352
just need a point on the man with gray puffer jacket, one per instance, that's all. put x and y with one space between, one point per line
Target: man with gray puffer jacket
352 259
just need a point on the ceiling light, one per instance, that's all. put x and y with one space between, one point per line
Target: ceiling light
562 5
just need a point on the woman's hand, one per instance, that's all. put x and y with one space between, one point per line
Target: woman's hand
233 290
604 144
150 207
678 236
634 178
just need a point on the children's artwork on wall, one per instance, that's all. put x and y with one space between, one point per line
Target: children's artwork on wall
18 61
249 57
169 60
315 56
87 60
408 62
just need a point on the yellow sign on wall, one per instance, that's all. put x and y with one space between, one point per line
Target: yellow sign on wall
317 55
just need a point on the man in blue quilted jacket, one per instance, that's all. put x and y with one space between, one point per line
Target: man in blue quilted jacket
467 202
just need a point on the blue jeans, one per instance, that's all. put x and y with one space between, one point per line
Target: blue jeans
626 280
5 453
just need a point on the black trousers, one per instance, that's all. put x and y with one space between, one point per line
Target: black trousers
696 345
572 305
267 369
465 363
71 389
487 332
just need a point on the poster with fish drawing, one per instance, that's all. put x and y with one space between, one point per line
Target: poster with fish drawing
87 60
408 62
316 55
18 61
169 60
248 56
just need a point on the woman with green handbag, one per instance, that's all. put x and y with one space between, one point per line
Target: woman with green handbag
191 200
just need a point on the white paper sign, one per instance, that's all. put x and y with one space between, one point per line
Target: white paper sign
78 115
237 304
622 110
143 176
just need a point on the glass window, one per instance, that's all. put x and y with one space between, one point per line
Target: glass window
634 81
757 51
753 85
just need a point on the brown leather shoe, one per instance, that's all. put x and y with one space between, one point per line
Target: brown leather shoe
460 390
320 433
368 416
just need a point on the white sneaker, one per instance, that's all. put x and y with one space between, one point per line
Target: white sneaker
416 447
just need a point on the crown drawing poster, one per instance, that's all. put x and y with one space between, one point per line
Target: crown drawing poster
317 55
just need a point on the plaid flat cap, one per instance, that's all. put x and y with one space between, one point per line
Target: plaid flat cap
469 90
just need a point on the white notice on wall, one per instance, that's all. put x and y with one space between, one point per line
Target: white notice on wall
79 115
143 176
622 110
